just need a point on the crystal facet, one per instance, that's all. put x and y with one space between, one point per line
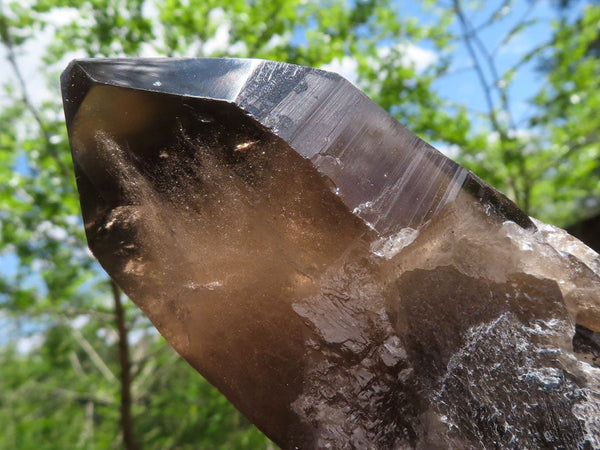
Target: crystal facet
343 283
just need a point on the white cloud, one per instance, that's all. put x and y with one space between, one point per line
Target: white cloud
80 321
53 231
346 67
520 133
277 40
29 58
420 57
26 344
493 137
59 17
411 55
449 150
221 41
108 335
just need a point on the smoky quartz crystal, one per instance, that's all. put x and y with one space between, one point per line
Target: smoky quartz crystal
342 282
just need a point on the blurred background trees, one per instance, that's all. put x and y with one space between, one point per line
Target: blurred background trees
80 367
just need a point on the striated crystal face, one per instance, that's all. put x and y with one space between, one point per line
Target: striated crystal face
339 280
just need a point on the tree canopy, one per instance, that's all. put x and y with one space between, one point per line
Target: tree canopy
81 366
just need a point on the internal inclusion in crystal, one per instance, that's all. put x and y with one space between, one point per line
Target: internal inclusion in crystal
214 227
320 329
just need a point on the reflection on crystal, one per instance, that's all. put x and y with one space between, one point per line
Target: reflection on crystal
341 282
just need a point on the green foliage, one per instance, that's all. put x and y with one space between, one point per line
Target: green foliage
56 397
569 103
551 168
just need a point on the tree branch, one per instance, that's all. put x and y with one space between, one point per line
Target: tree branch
519 23
88 431
83 397
522 197
7 40
125 363
477 66
94 356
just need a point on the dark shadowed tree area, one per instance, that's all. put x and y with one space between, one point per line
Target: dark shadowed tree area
80 366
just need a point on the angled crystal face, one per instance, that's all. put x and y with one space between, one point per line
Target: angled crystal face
380 170
339 280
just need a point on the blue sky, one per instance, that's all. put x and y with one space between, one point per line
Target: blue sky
463 86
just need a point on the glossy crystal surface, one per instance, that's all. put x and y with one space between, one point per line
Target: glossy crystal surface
338 279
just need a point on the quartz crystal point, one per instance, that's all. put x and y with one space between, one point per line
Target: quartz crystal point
343 283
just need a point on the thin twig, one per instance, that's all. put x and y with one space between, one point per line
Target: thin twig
519 22
80 396
497 126
477 65
7 40
89 349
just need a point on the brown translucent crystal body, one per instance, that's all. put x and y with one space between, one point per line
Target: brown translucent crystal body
340 281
